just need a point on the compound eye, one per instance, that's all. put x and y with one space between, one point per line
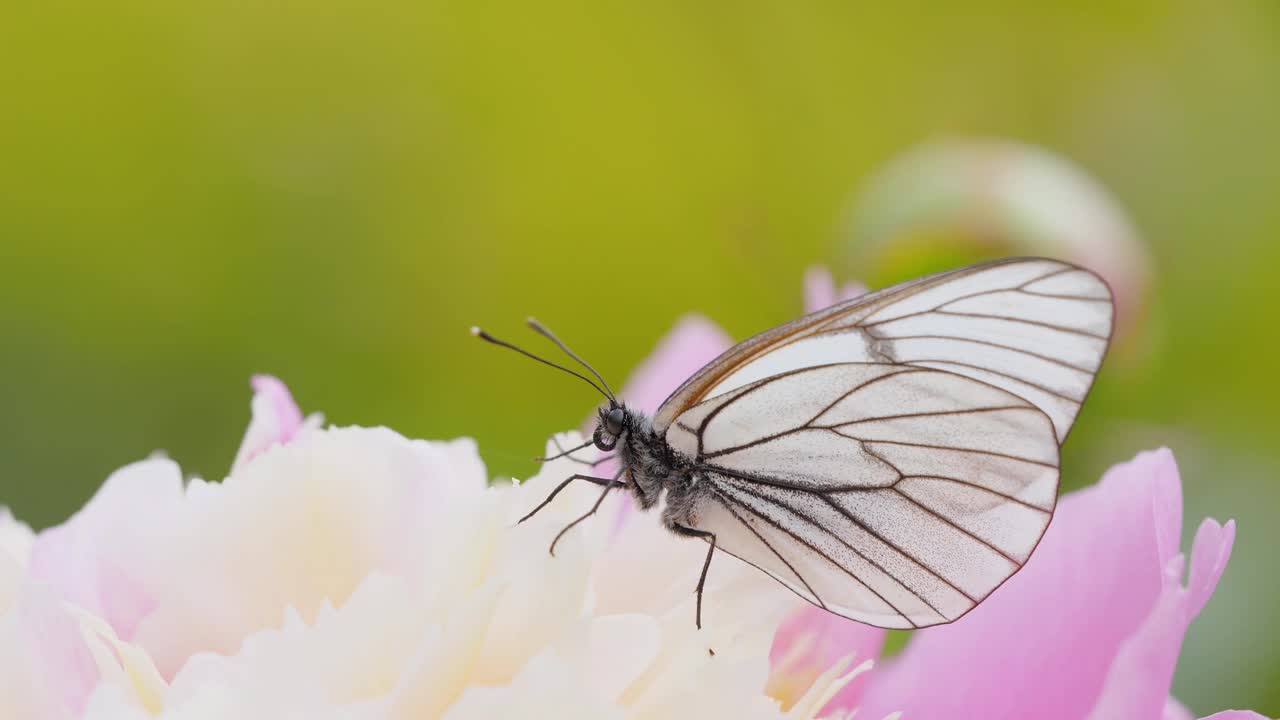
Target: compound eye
614 420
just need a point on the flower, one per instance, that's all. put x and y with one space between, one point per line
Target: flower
275 419
15 539
1089 628
355 573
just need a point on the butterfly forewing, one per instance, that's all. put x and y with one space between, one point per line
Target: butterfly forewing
894 458
1033 326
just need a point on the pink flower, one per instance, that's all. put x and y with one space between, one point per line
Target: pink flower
101 561
820 289
49 669
1090 628
53 654
72 556
355 573
275 419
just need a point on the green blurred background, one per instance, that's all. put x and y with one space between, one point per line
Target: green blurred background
192 192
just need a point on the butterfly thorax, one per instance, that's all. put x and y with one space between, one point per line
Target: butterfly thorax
649 464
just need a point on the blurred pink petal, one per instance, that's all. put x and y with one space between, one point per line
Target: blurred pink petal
1236 715
820 289
1098 606
77 559
46 669
275 420
692 343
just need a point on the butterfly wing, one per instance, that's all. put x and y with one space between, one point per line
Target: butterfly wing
894 458
894 495
1035 327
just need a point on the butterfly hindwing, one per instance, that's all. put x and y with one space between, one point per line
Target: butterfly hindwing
895 495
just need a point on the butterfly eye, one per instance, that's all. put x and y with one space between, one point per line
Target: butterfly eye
614 421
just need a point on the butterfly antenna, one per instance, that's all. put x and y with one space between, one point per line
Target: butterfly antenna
491 339
542 330
563 452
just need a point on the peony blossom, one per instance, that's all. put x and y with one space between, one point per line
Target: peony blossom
355 573
1089 628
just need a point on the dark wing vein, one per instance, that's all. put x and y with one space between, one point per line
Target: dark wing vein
948 447
858 388
726 498
812 523
901 476
850 517
1081 298
702 426
1015 378
1046 276
930 413
987 316
949 521
976 486
763 479
728 504
790 431
988 343
845 513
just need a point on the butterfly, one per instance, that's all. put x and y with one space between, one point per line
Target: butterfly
893 458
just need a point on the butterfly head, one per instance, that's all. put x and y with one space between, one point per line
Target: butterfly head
613 422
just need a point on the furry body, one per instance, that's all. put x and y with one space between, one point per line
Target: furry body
652 467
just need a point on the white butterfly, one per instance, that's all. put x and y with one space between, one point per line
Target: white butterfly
892 459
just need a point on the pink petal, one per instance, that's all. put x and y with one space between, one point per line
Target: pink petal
1138 683
44 662
825 639
692 343
820 289
82 558
1209 555
1236 715
276 418
1041 645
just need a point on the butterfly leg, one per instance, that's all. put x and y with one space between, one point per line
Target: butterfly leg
589 478
608 485
706 564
